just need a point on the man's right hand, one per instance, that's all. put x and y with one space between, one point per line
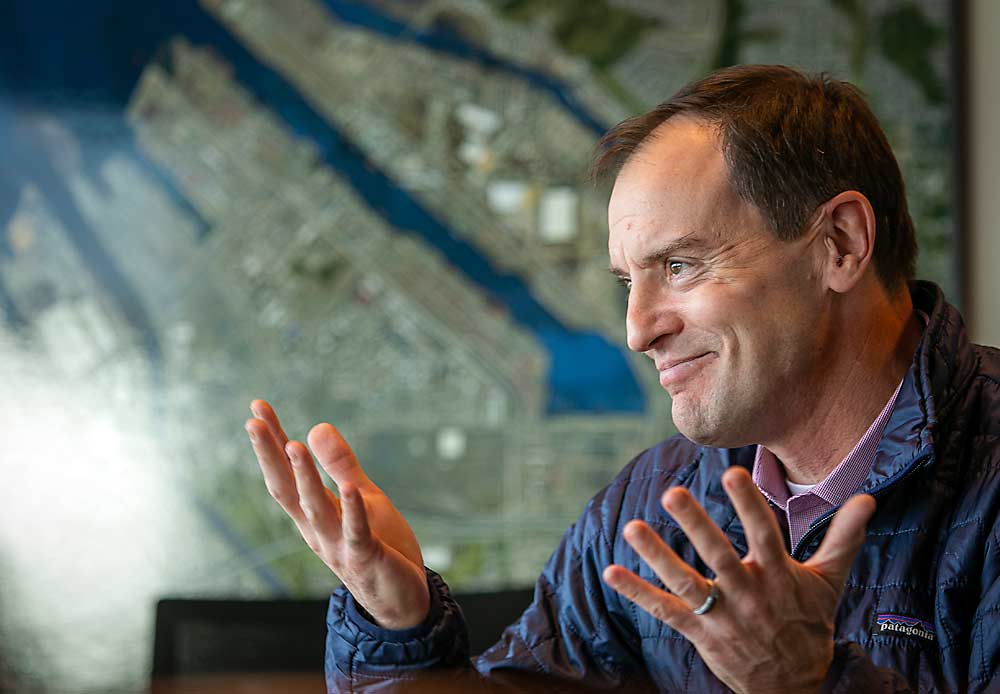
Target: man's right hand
361 536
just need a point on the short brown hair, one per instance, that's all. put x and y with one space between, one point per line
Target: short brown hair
791 141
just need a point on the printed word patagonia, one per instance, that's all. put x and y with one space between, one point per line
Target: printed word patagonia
899 625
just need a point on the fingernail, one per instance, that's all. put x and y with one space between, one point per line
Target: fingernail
675 502
251 434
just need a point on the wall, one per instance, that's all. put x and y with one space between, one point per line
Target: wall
984 171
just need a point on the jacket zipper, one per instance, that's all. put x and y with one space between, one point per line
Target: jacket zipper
825 518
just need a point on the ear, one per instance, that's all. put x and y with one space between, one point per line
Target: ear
849 240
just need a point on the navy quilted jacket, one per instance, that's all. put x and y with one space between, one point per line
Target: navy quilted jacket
920 610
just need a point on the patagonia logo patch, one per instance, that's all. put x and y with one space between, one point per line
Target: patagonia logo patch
887 624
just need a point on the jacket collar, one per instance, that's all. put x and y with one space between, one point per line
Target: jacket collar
942 369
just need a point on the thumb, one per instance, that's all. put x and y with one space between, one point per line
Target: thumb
845 537
336 457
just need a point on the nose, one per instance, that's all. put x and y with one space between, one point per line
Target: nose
651 315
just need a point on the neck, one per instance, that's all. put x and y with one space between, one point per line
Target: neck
859 372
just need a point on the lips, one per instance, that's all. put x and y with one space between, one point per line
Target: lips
673 371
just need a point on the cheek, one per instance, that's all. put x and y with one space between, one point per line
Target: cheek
733 312
779 340
762 327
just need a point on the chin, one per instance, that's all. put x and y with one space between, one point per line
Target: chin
713 439
702 430
696 430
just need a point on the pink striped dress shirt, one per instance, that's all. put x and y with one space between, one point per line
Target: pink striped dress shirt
801 510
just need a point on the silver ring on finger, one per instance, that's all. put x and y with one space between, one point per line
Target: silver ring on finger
710 600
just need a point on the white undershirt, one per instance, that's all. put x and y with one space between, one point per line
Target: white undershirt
796 489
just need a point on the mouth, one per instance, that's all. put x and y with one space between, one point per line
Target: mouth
674 371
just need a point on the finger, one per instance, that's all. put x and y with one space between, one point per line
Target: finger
356 532
263 411
679 578
318 508
708 541
843 540
278 478
764 537
661 605
274 464
337 458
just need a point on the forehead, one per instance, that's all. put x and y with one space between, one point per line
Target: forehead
676 184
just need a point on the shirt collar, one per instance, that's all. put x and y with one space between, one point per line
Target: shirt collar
842 482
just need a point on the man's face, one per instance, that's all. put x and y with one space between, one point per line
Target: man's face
734 318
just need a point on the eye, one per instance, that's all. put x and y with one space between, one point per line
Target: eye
625 282
676 267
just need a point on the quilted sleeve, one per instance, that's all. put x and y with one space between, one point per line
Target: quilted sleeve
573 637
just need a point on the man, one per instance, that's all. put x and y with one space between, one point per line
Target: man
827 518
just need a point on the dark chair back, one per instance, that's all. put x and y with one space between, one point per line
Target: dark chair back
218 636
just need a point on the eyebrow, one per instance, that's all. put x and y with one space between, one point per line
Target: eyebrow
684 243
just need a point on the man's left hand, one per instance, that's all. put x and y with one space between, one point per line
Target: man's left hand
771 628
